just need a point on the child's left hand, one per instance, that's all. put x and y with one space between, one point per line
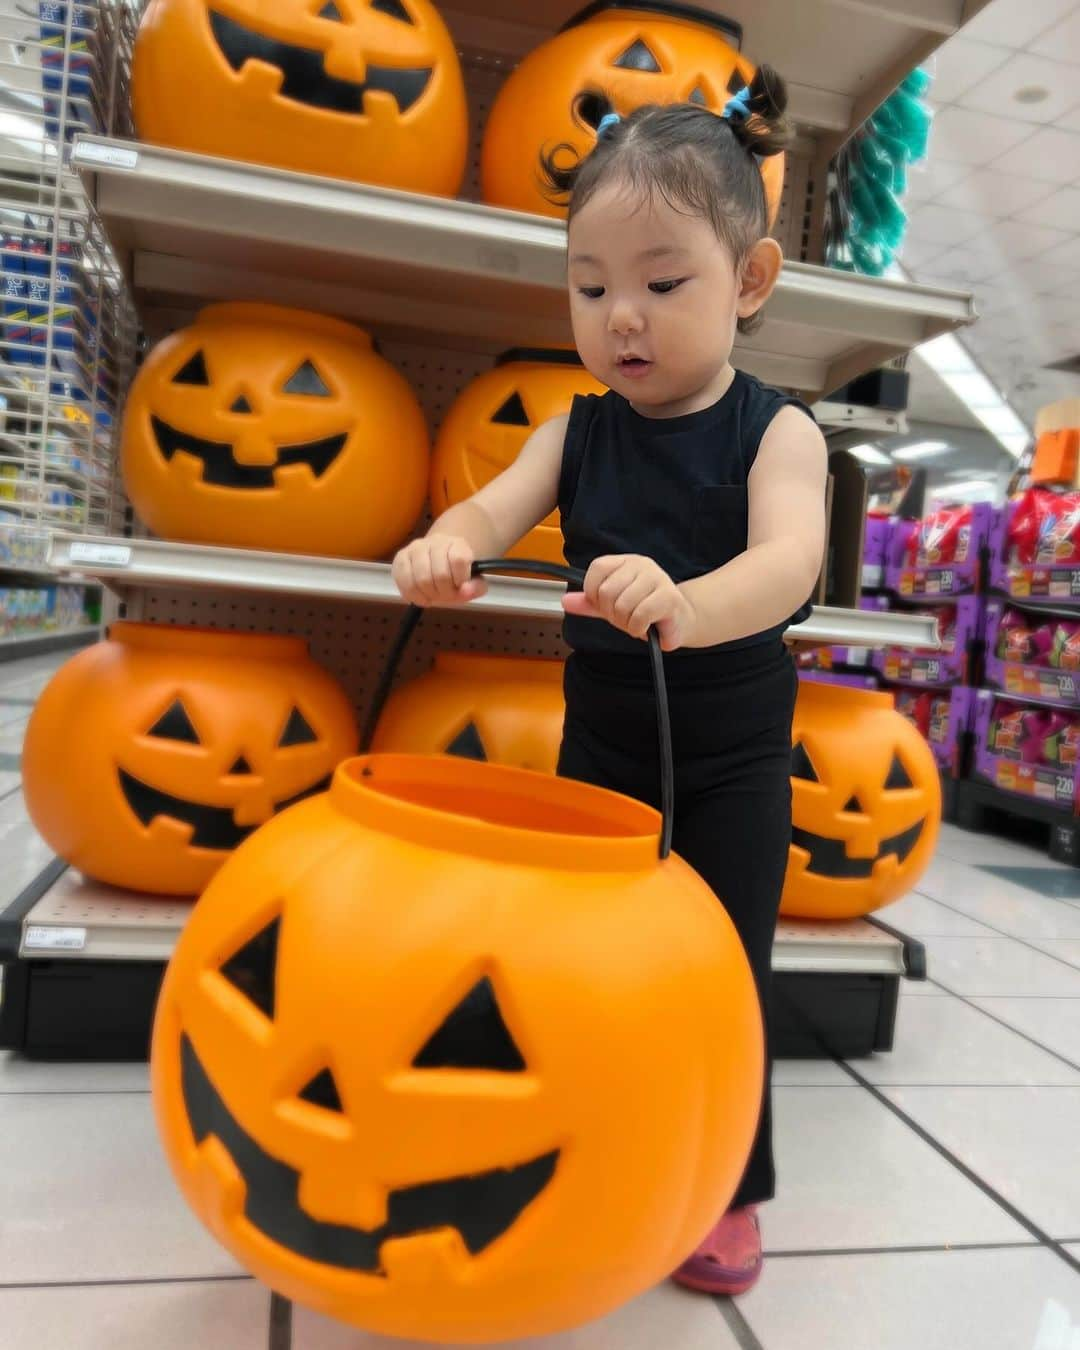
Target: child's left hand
633 593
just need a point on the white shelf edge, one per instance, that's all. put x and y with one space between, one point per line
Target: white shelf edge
127 926
28 641
206 228
152 562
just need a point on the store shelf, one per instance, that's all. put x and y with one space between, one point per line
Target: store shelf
81 919
839 57
190 228
36 644
127 564
847 946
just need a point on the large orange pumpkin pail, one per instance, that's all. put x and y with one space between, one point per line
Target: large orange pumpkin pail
866 804
437 1056
490 421
265 427
371 92
499 709
635 54
175 743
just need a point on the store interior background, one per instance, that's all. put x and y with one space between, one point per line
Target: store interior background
879 1238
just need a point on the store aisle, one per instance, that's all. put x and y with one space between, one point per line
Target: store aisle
929 1199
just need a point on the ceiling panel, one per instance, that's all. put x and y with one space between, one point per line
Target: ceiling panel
961 64
1024 74
1015 23
975 138
993 194
997 208
1062 41
1051 153
1061 210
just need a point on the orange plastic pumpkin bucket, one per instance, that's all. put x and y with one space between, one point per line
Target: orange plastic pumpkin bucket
865 804
399 1051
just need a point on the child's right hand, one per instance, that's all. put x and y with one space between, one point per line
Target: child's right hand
437 570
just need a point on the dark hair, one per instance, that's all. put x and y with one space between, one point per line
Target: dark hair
696 160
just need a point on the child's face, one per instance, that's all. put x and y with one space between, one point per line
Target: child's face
654 299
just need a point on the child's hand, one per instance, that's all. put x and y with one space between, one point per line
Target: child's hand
437 570
633 593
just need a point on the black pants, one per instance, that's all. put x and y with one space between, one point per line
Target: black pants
731 733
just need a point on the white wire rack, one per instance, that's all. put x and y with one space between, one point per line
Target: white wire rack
67 325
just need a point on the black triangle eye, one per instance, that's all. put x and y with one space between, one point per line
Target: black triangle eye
512 413
174 724
898 775
698 96
192 371
394 8
297 731
474 1036
854 806
467 744
735 82
307 380
637 57
322 1091
330 11
253 969
801 766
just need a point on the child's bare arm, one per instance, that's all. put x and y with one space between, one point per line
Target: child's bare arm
436 569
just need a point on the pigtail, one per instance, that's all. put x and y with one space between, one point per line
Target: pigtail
560 166
766 131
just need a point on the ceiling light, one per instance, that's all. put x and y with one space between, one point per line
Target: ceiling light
869 454
970 490
950 360
920 450
1016 442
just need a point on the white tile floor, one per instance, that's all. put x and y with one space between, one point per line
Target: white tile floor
929 1199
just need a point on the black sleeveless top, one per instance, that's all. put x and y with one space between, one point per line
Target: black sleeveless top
671 488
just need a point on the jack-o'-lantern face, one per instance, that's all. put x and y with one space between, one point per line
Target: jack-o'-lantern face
495 709
652 52
362 89
386 1058
261 427
492 419
179 743
866 804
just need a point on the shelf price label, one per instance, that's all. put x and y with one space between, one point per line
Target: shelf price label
101 555
115 156
45 937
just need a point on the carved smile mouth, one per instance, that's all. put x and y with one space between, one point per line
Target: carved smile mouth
304 79
212 826
481 1208
221 468
829 858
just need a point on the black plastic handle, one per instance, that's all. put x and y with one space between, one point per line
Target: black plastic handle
573 577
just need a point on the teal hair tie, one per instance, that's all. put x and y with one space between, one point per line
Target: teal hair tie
737 108
607 123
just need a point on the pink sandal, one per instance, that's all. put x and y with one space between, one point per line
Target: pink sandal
729 1260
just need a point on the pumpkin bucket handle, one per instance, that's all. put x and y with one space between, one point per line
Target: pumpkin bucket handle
575 578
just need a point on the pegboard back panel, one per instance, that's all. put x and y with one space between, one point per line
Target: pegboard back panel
352 640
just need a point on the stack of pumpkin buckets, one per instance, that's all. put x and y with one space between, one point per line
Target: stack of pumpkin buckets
399 1038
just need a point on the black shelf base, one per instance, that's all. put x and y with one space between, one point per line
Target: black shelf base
984 808
104 1010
